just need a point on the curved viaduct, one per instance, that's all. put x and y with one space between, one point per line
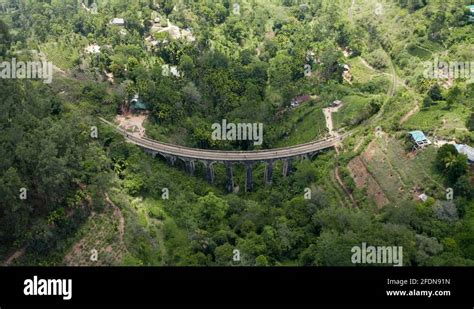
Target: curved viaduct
249 158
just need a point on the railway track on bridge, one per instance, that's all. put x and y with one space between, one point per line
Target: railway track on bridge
249 158
221 155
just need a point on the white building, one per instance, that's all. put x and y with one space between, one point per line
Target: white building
423 197
118 21
93 49
467 150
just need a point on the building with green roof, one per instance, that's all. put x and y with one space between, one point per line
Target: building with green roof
471 9
137 105
419 139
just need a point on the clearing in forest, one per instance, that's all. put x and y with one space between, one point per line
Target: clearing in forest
102 232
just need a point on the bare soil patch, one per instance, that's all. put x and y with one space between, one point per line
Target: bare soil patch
364 179
132 123
104 232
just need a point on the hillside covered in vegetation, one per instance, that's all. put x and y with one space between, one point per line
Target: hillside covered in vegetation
74 192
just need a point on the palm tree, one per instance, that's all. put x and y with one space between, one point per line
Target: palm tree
450 161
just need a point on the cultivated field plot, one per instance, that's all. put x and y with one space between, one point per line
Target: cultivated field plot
399 175
364 179
101 233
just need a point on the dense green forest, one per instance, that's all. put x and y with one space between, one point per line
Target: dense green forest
67 193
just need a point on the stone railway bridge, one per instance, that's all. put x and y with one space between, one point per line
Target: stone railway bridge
249 158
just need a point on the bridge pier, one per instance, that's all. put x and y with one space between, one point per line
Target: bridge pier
210 172
171 160
153 153
230 177
286 167
249 178
269 173
311 155
190 167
